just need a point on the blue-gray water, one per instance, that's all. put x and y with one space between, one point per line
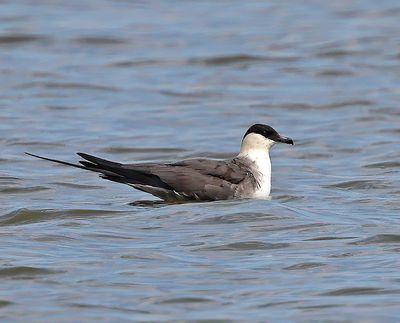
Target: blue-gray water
157 80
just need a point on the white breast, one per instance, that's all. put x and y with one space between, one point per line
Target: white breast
256 148
263 175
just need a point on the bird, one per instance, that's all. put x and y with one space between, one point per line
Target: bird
246 176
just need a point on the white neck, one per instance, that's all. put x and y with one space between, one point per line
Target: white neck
256 148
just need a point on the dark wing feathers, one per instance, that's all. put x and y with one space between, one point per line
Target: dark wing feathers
202 178
120 173
229 171
187 181
194 178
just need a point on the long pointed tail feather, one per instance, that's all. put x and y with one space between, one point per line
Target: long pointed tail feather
57 161
99 161
112 171
85 166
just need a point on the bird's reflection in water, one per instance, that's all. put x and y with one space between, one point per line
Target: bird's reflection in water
161 203
150 203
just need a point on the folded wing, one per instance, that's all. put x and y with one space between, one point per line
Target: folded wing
193 179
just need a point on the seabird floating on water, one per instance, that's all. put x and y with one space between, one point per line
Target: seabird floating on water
248 175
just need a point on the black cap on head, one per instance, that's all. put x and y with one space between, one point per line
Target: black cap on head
268 132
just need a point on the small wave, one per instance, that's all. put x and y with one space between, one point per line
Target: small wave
390 131
333 53
335 73
184 300
110 236
393 111
307 106
5 161
192 94
237 218
4 180
26 216
52 237
39 144
13 39
352 291
350 103
305 266
321 306
329 238
60 107
299 227
287 198
146 62
379 238
384 165
360 185
108 308
344 254
4 303
100 40
67 86
315 156
22 190
391 12
9 178
272 304
290 106
77 186
240 58
25 271
247 245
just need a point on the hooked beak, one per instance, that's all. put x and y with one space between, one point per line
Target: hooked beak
285 140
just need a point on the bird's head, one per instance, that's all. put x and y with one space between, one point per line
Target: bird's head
262 137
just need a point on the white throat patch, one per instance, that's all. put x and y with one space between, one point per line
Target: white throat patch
256 148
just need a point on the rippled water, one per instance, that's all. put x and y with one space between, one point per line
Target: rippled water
155 81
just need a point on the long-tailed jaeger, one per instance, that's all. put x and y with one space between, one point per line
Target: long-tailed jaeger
248 175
